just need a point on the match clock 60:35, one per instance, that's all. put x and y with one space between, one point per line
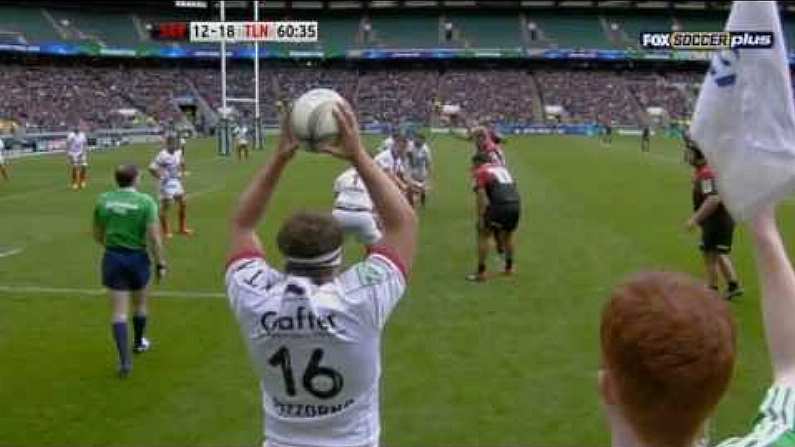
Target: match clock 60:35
283 31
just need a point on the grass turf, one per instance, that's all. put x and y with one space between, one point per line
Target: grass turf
509 362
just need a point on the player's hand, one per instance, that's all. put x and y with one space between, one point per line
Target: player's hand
349 143
691 224
288 143
160 271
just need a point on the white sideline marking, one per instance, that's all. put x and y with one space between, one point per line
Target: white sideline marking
12 252
98 292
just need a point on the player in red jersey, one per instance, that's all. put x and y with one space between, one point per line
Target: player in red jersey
498 207
717 226
486 140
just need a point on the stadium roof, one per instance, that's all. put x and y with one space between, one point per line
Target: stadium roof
386 5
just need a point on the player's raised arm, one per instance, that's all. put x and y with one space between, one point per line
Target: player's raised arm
777 280
255 199
398 218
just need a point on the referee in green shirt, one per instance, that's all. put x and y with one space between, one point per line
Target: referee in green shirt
125 223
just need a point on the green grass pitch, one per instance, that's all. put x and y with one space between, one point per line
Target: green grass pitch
509 362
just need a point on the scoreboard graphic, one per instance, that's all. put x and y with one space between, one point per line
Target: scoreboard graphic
282 31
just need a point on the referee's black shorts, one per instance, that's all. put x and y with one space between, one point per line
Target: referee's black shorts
503 216
717 238
125 269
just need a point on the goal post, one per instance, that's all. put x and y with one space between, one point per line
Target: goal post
225 129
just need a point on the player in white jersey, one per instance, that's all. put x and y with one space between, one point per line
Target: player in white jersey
419 167
353 208
387 143
393 162
241 142
3 171
669 348
77 155
167 168
314 333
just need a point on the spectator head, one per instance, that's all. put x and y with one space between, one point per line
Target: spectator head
668 351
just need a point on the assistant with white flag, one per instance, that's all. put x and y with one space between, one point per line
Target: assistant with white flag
744 120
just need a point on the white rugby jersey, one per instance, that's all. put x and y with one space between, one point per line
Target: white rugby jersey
420 161
351 192
387 144
387 161
169 164
317 349
76 143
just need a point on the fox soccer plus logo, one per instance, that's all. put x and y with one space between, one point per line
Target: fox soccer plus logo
706 40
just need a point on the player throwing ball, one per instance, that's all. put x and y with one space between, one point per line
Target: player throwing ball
353 208
77 156
125 223
498 207
314 332
167 168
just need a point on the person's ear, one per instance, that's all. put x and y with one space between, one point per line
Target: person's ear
607 388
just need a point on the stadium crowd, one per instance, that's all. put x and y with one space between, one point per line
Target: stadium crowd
52 97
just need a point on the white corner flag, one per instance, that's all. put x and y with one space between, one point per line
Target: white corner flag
744 120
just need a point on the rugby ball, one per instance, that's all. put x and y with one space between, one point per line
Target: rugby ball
312 119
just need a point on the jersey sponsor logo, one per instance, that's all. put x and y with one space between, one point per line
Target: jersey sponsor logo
301 321
369 274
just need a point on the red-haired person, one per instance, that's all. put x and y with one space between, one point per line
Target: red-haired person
668 347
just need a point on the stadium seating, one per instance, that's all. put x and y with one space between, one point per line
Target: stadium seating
631 26
590 96
571 31
492 95
107 28
29 22
488 31
402 31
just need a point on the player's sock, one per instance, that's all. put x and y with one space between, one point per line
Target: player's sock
183 220
139 326
733 285
508 262
121 338
481 268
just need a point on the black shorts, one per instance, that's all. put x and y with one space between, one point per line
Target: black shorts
717 238
504 217
125 269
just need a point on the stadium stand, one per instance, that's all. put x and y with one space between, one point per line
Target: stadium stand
590 96
28 23
111 29
389 96
630 27
487 31
571 31
489 95
401 31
